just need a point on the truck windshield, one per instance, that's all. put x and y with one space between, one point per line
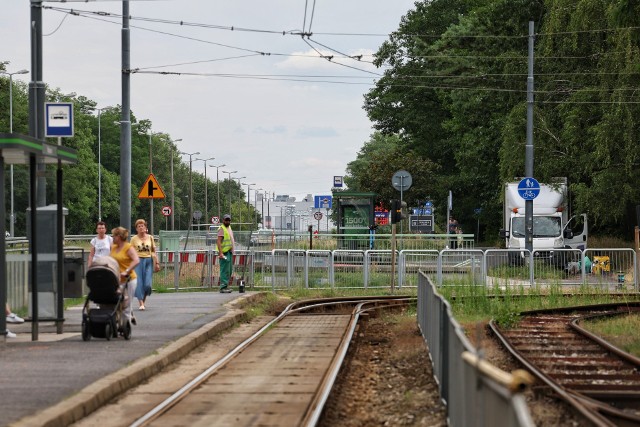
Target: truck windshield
543 226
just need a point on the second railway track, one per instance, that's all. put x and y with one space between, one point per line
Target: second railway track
597 379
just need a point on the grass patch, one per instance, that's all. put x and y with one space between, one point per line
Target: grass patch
620 331
471 303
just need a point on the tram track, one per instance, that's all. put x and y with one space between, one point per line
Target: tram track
596 378
279 373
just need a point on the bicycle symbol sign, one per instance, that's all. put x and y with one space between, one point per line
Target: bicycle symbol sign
528 188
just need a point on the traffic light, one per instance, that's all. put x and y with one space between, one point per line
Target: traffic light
398 211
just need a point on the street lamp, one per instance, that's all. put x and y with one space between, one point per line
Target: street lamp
12 218
240 206
255 204
229 191
150 172
206 184
173 206
190 183
100 162
248 201
218 184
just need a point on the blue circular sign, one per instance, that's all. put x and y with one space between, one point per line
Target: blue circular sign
528 188
428 203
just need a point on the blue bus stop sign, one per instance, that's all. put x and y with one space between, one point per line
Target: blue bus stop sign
528 188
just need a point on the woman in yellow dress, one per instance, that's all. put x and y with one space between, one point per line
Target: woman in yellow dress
127 258
145 247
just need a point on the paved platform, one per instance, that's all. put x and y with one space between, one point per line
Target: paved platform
40 380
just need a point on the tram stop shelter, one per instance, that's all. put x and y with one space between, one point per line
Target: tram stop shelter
356 217
16 149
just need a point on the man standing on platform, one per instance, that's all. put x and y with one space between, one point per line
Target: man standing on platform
226 244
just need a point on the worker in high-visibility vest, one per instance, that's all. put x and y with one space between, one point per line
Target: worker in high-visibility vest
226 244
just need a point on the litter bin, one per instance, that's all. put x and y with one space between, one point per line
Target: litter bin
73 272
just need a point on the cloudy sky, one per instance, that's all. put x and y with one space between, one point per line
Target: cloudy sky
264 103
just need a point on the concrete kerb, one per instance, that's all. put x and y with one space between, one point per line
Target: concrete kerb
92 397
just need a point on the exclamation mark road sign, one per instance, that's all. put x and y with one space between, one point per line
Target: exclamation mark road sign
151 189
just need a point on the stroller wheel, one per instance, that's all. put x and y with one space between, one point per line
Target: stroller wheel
126 333
107 331
86 331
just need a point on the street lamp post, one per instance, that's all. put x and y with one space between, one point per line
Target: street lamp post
240 206
218 185
150 172
229 191
12 217
99 164
249 202
190 184
255 204
173 206
206 184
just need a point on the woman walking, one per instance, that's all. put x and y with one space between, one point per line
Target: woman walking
146 249
101 244
127 259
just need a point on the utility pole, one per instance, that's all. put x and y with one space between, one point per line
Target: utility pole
36 97
190 184
218 186
528 163
125 128
229 190
173 188
206 184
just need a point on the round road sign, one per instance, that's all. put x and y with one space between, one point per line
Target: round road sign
197 214
166 210
401 180
317 216
215 220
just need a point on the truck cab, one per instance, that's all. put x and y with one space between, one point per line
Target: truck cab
552 228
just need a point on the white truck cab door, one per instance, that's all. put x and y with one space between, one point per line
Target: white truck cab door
576 232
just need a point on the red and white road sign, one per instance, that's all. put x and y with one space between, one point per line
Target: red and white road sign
215 220
317 216
166 210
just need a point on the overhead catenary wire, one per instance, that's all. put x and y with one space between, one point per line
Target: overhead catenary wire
103 16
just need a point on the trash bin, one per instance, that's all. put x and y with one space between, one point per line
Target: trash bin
73 273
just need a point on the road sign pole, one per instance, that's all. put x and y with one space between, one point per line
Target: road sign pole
528 163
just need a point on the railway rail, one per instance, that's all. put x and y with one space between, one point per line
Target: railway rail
596 378
281 375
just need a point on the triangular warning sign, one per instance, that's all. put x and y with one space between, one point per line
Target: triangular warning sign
151 189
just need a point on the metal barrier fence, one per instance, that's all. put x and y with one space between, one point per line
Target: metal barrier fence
472 398
361 269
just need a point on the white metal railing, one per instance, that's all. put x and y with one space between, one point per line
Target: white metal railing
611 269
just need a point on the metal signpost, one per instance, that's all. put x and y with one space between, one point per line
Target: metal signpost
528 189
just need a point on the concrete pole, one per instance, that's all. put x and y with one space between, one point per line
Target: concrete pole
528 164
173 206
99 166
125 128
150 172
37 96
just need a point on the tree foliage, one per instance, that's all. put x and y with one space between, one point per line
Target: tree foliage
80 181
454 94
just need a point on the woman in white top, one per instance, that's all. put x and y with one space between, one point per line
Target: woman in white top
101 244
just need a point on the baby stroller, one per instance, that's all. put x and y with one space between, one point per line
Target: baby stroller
105 290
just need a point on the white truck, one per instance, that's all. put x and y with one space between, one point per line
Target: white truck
552 227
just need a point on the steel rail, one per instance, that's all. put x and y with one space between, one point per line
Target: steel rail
317 405
597 412
293 308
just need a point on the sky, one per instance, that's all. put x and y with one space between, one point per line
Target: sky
264 103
